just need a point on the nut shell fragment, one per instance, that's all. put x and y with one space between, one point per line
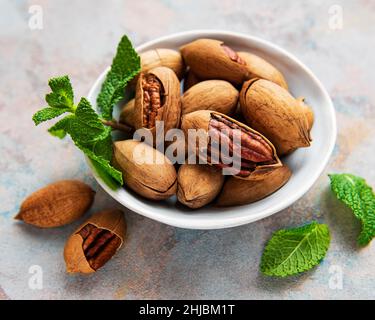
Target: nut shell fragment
56 204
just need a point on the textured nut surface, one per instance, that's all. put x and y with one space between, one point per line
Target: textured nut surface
274 112
260 68
56 204
127 114
212 59
145 170
95 242
157 98
216 95
240 192
198 185
162 58
254 152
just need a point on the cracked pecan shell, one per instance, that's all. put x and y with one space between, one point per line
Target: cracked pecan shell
157 98
226 143
95 242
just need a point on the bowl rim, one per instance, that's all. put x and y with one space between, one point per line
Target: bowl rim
209 222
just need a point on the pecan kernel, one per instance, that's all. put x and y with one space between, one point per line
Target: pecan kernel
152 96
251 151
99 245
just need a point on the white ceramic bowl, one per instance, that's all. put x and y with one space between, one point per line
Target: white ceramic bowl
306 164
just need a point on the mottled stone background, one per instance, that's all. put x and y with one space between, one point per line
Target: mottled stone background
159 261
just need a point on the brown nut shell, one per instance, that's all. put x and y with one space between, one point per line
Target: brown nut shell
146 170
308 112
56 204
127 113
95 242
212 59
190 80
198 185
163 58
157 98
255 153
273 111
239 192
216 95
260 68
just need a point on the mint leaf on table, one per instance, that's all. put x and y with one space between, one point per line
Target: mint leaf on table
359 196
125 66
292 251
84 126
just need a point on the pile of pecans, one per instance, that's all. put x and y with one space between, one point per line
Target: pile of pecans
246 118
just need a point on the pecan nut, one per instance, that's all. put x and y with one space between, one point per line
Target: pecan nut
239 192
273 111
229 144
233 55
212 59
95 242
157 98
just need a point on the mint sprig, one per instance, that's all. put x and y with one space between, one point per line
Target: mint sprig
359 196
83 124
292 251
90 132
125 66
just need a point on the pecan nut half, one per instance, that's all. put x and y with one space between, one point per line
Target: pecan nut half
95 242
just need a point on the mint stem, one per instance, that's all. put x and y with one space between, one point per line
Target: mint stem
117 126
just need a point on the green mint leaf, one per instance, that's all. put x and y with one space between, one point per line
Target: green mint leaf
60 128
292 251
62 93
86 127
98 148
48 114
107 178
104 169
125 66
359 196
